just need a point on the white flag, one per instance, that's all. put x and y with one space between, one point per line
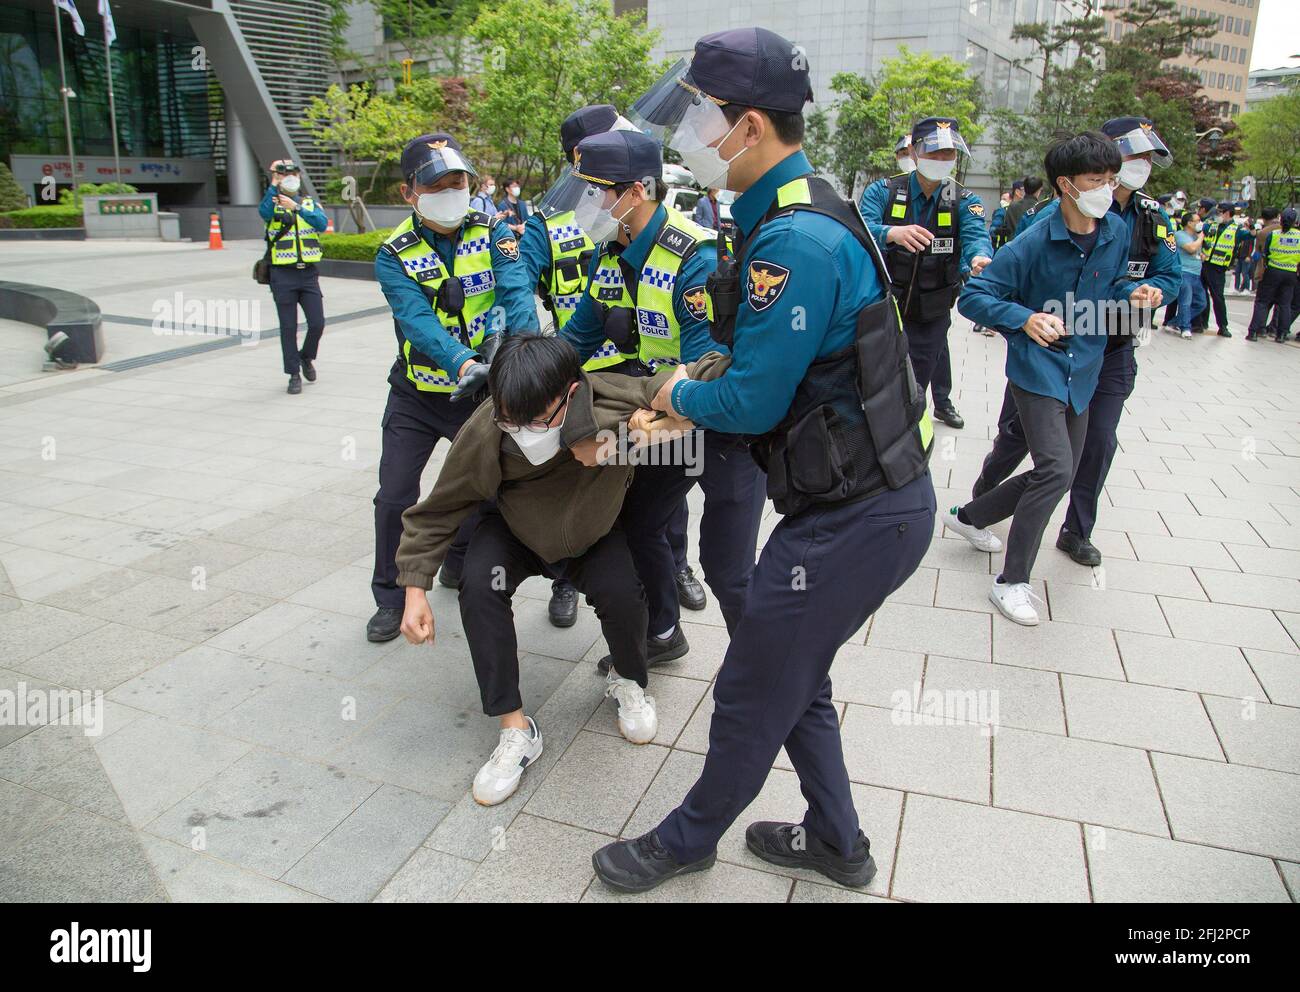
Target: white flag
110 30
71 8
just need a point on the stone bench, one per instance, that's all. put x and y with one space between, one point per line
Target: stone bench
57 310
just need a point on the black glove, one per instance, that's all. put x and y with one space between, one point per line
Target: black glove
472 382
488 349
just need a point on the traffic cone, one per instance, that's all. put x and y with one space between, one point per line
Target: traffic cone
329 225
214 233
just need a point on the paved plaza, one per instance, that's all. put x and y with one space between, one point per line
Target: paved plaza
179 533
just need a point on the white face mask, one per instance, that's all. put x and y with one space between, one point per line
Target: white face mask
539 448
489 189
1095 202
906 165
707 164
446 208
1135 173
514 191
290 184
606 225
935 169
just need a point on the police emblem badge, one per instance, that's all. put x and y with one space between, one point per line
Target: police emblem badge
765 282
509 247
697 304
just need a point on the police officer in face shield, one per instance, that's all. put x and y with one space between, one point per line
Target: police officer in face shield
821 383
453 280
1153 259
933 229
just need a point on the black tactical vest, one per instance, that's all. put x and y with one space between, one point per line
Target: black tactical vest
858 424
1146 241
926 283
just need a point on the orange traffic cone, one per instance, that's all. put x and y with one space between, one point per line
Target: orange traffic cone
329 225
214 233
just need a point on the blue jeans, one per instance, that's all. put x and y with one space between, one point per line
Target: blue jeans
1191 300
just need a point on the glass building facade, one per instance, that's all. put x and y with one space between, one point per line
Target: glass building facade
163 92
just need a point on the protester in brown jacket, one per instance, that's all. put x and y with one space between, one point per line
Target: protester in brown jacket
550 457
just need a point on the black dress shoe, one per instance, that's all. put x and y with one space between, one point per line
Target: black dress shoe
642 864
1224 332
690 594
657 651
563 608
295 384
384 625
790 846
448 578
1079 548
308 370
949 415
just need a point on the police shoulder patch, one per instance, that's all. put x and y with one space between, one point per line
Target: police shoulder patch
976 208
765 282
696 301
674 240
509 247
477 217
1170 243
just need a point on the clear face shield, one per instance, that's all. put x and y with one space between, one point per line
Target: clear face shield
568 190
442 159
601 211
1144 139
689 121
941 139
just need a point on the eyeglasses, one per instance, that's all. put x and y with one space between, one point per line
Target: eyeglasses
534 426
1112 182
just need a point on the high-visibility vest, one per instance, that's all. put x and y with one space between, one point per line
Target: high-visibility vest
473 267
301 241
658 329
1217 249
1284 250
571 250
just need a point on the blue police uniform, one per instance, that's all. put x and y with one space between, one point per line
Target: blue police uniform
296 285
731 482
415 420
773 688
926 326
1153 258
1030 216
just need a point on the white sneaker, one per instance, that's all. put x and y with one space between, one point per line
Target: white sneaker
980 539
497 780
1186 334
637 719
1014 601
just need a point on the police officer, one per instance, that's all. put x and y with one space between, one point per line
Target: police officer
1216 256
932 228
1281 260
646 293
556 254
1153 259
453 280
815 342
293 226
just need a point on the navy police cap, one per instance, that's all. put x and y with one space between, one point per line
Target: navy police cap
615 157
430 156
753 67
595 119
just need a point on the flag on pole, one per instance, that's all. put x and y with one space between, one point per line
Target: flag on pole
110 30
71 8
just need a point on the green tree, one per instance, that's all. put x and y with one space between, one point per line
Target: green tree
432 30
541 60
12 196
1271 140
871 114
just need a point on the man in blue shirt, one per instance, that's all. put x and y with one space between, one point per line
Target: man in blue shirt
646 294
1051 293
453 280
1153 257
293 248
933 230
807 285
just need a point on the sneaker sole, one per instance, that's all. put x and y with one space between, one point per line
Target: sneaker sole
700 865
987 551
856 880
498 802
1024 623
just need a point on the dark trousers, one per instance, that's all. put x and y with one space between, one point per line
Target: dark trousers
1213 278
1242 273
734 492
1114 387
677 540
1055 435
1272 327
1274 290
497 562
413 423
926 341
292 288
941 378
774 688
1009 448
